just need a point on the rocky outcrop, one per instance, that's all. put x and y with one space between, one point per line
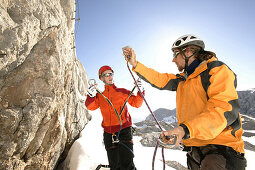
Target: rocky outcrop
163 114
149 131
42 84
247 102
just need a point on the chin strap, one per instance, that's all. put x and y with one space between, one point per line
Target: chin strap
187 59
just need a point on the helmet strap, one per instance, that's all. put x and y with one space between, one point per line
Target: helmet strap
186 60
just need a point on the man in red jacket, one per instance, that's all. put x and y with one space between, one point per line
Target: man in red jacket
117 125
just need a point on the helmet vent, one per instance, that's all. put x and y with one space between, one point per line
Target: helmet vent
188 39
184 38
178 42
192 37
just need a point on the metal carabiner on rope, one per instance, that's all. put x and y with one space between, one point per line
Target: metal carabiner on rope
168 145
125 51
92 82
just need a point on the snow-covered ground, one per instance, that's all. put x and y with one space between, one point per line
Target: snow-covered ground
88 151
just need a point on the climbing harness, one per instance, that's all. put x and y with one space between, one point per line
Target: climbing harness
159 141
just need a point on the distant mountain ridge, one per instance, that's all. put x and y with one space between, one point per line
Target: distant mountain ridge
163 114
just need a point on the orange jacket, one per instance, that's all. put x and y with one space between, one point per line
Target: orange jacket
117 96
206 102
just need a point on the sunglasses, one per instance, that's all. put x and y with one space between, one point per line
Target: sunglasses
108 74
177 53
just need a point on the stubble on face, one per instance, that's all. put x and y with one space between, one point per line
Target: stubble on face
180 68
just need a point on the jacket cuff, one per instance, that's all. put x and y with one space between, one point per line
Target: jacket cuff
186 130
136 69
143 92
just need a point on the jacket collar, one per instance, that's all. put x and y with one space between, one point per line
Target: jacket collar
201 67
109 86
191 68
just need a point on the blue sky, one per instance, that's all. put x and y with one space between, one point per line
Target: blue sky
151 26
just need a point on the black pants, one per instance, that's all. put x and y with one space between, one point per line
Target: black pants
215 157
120 155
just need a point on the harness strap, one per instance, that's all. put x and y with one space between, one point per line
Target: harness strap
115 145
112 147
127 141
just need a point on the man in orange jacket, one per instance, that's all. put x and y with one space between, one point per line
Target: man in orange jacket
207 105
117 122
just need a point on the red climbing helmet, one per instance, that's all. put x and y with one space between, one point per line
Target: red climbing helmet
102 69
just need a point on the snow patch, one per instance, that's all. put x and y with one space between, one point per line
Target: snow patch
170 119
88 151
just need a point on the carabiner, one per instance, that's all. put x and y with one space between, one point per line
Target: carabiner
92 82
166 145
115 139
125 51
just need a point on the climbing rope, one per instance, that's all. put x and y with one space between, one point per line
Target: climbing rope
156 147
159 141
92 82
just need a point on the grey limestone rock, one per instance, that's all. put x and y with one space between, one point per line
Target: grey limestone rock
42 84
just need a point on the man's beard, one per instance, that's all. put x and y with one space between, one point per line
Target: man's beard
180 68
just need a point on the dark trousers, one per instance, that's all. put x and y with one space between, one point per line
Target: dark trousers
120 155
215 157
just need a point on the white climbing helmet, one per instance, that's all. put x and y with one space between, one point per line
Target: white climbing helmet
188 39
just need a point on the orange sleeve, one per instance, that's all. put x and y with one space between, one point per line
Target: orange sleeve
92 103
161 81
136 101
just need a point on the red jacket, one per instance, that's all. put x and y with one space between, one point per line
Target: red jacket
117 96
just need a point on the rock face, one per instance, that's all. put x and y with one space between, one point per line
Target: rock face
42 84
247 102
